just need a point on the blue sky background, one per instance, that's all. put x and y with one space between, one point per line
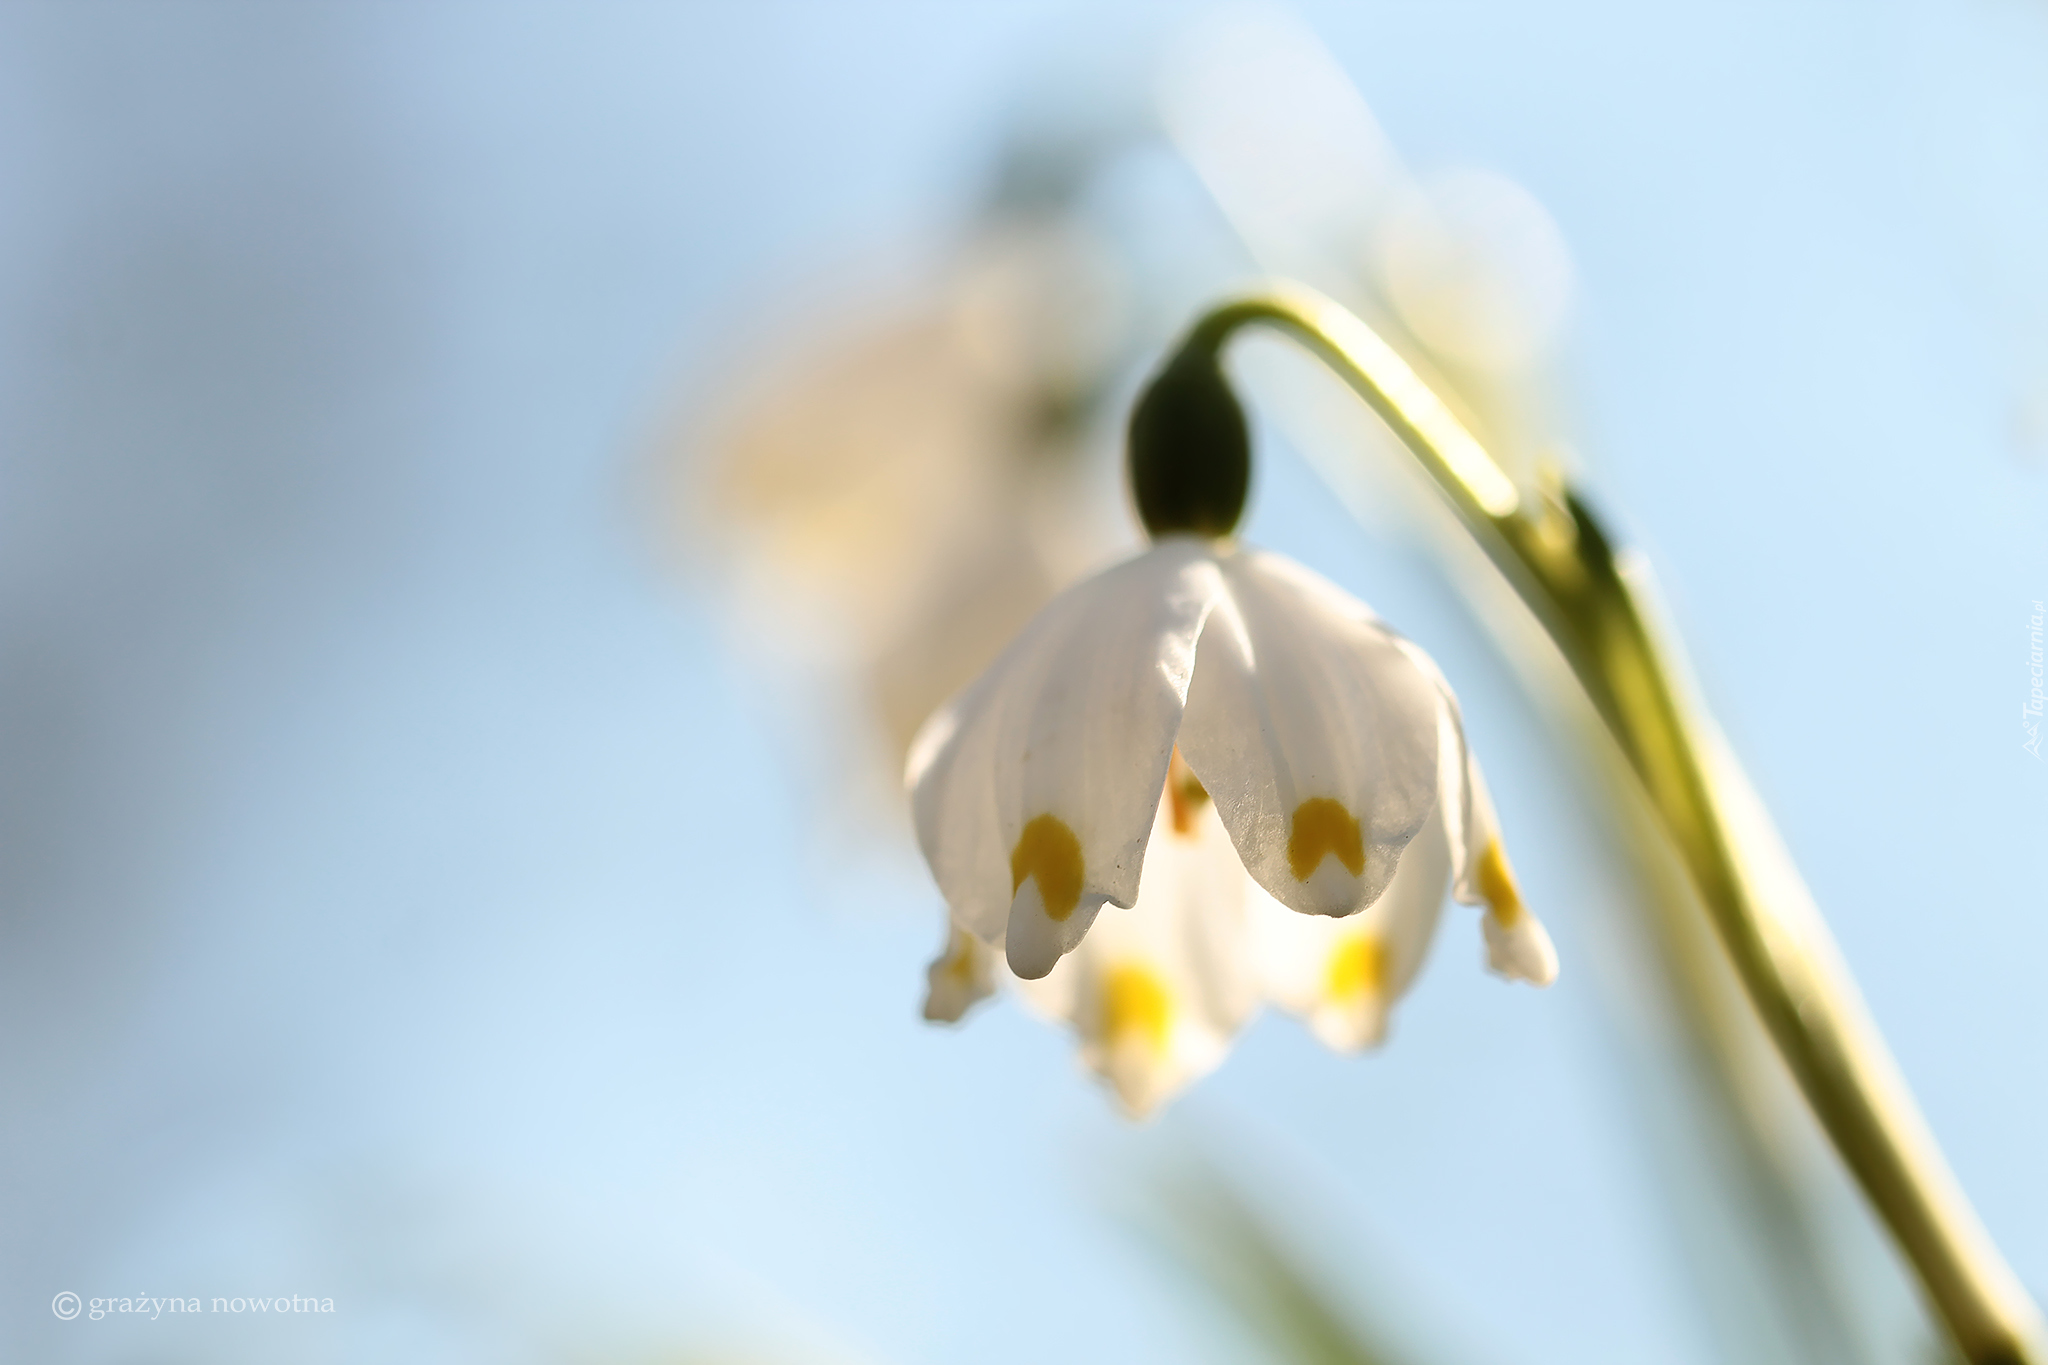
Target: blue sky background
409 897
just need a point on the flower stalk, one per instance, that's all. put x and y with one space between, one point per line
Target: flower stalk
1594 603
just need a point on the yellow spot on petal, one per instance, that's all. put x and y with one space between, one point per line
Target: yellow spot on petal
1357 966
1136 1004
1048 850
960 957
1185 793
1497 885
1323 826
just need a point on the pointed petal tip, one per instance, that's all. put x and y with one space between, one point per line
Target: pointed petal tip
1036 941
1029 963
946 1003
1143 1079
961 976
1137 1105
1521 951
1355 1028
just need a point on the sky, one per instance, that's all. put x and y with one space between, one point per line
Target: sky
410 891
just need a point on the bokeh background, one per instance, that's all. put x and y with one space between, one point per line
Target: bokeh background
436 874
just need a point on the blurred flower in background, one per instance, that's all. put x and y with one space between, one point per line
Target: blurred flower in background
894 487
1461 269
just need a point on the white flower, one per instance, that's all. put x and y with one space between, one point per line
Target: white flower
1157 992
1239 735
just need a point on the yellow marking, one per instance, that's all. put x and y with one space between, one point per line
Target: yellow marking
1497 885
1323 826
1184 793
960 958
1135 1004
1357 967
1048 850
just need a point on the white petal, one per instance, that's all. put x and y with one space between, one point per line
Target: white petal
1034 792
1159 989
1343 975
1037 939
1521 951
1454 765
1310 723
1517 944
961 975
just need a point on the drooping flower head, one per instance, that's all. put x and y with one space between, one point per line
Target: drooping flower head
1200 778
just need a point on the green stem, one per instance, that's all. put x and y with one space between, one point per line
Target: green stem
1597 613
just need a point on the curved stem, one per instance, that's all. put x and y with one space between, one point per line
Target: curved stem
1595 608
